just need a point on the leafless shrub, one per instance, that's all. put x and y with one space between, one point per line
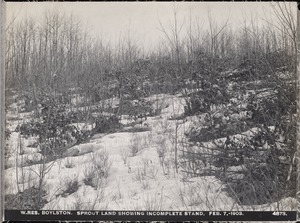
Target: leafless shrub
100 197
150 137
192 195
119 193
161 147
135 144
89 176
152 173
139 175
164 126
78 204
132 193
159 104
146 141
146 170
96 173
162 150
145 184
151 203
101 163
71 186
69 163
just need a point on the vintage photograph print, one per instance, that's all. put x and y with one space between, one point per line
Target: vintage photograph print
147 106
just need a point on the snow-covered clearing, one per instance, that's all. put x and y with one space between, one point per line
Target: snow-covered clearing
140 181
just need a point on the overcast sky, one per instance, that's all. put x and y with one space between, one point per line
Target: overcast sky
109 19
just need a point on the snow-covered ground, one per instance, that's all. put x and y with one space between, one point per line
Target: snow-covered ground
143 181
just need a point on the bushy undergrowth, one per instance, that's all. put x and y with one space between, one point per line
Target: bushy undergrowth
265 168
135 144
29 199
218 125
137 109
70 187
54 129
201 101
107 124
257 166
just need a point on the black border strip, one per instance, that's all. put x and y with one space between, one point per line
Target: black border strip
66 215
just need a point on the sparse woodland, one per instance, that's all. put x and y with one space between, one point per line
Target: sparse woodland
217 104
